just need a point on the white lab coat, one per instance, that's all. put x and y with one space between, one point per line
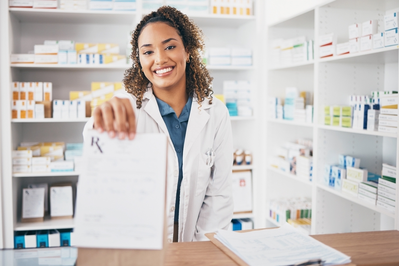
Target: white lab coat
206 202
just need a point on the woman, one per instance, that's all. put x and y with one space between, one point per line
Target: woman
169 91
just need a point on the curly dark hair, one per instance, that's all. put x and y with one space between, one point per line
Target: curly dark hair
198 80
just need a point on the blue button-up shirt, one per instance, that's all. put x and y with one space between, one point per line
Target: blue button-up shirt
177 127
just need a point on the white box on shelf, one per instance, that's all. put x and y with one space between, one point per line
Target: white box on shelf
366 43
378 40
355 31
48 91
391 37
81 107
22 161
350 187
41 49
356 174
61 166
46 59
219 52
22 154
65 109
242 191
22 58
241 52
369 27
62 57
39 111
327 39
54 238
101 5
71 57
354 46
343 48
327 51
38 168
219 61
22 169
391 21
38 91
73 109
46 4
241 61
124 5
41 160
20 3
61 201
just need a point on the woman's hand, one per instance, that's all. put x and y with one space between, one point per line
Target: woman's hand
116 116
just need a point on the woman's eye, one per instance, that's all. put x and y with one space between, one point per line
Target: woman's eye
170 47
147 53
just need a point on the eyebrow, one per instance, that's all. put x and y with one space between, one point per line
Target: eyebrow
163 42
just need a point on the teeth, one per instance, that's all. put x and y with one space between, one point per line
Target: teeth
163 70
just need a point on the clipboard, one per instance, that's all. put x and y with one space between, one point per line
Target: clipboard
227 251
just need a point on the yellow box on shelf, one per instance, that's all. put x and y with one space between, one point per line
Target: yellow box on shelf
79 95
97 48
114 59
100 100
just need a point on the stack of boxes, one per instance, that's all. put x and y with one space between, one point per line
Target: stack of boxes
99 54
387 188
31 100
44 157
365 37
275 108
295 158
391 29
104 91
45 239
294 107
237 95
388 117
229 57
294 209
292 51
66 50
327 45
232 7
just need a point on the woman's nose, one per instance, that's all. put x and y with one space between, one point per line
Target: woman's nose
161 57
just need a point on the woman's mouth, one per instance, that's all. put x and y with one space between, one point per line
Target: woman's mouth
163 70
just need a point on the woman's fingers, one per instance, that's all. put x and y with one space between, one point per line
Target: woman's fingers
116 116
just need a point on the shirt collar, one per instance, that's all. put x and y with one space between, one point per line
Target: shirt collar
165 109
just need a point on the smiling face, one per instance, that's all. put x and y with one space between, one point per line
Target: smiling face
163 57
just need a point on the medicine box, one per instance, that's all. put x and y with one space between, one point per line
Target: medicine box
391 37
389 101
62 57
219 52
45 4
46 59
327 51
48 91
369 27
338 174
72 57
23 90
22 154
354 46
350 187
38 91
30 109
343 48
356 174
124 5
242 191
20 4
15 90
391 21
42 239
352 162
327 39
22 59
387 129
114 59
41 160
41 49
35 150
369 186
22 161
378 40
355 31
21 168
61 166
101 5
366 43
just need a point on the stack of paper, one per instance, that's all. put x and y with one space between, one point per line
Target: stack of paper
282 246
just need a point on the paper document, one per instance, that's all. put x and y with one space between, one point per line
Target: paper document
121 193
33 202
282 246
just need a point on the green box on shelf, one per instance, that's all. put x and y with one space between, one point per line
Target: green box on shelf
347 111
346 122
336 121
336 110
327 110
327 120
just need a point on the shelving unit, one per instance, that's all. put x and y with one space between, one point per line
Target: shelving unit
332 80
22 28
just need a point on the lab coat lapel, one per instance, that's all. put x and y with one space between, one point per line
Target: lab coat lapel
152 110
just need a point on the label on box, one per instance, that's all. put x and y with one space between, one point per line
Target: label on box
350 187
378 40
369 27
355 31
327 51
386 183
22 58
354 46
366 43
327 39
391 21
357 175
391 37
343 48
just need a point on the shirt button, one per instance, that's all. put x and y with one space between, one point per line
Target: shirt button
169 240
172 209
177 126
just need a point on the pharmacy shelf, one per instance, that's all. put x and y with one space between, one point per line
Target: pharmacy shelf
383 55
308 64
288 122
46 224
51 120
356 200
241 118
243 215
243 167
290 176
210 67
72 17
358 131
222 21
64 67
45 174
